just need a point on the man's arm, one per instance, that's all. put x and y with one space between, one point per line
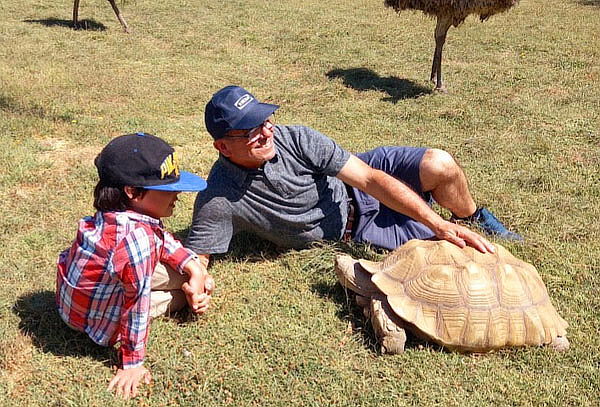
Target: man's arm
398 196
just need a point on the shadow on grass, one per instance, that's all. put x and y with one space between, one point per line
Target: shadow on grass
590 2
41 322
348 311
364 79
244 247
88 25
12 106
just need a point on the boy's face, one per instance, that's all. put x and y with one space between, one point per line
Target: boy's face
158 204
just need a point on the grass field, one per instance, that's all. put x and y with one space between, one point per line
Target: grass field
522 116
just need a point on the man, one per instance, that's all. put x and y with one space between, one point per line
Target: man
292 185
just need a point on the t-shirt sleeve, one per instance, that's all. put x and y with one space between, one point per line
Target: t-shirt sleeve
321 153
212 225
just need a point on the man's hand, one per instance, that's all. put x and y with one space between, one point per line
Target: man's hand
462 236
126 381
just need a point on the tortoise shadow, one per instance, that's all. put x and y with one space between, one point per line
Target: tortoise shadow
349 311
40 321
86 24
363 79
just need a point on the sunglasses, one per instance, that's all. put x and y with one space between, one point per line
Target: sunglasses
254 133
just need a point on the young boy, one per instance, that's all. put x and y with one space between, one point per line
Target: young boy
123 268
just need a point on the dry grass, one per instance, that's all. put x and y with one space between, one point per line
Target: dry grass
522 116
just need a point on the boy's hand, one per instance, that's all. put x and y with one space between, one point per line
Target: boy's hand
198 293
126 381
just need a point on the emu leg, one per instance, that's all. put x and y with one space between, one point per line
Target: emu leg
119 16
76 14
441 28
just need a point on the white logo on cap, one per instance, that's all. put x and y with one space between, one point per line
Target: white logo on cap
243 101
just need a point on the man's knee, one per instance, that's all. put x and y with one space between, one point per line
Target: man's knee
437 166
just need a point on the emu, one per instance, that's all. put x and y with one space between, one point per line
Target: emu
449 12
114 7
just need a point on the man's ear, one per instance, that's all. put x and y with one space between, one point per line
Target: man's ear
222 146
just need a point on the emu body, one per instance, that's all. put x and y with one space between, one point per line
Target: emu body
114 7
448 13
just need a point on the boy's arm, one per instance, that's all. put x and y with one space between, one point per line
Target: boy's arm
134 263
134 268
200 285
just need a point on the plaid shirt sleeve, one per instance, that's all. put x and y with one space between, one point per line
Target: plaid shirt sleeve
174 254
135 258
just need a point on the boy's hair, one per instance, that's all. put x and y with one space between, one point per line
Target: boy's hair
109 198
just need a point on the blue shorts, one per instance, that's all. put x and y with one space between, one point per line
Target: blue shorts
377 224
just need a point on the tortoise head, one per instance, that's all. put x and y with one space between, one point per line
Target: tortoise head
353 276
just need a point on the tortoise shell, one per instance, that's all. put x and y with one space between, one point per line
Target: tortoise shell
464 299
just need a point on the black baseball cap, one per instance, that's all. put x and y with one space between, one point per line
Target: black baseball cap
234 108
146 161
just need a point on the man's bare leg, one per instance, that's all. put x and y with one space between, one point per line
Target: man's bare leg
441 175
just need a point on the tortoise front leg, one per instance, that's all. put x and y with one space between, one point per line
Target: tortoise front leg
387 327
119 16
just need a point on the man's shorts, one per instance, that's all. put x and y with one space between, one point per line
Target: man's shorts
376 223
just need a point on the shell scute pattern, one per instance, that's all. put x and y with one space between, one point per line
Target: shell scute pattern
438 285
513 294
452 323
466 300
477 287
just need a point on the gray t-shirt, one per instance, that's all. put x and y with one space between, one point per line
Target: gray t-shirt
294 199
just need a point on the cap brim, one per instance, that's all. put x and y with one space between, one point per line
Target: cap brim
258 114
188 182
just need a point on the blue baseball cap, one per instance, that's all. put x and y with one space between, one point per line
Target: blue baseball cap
234 108
146 161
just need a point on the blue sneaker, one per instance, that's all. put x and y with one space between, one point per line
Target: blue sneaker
486 221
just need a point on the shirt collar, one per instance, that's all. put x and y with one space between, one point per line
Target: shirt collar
239 174
234 172
136 216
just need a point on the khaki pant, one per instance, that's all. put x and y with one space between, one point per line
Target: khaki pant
166 295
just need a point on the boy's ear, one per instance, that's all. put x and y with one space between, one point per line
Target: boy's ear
129 191
222 146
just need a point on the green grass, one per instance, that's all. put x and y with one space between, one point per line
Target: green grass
522 116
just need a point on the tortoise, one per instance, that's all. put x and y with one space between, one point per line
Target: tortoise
462 299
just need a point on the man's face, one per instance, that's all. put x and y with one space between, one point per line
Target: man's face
249 148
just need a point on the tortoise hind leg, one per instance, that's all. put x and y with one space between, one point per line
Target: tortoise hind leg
388 328
560 344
